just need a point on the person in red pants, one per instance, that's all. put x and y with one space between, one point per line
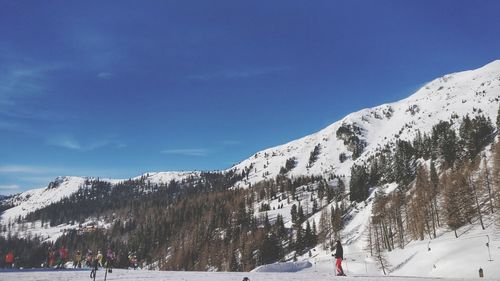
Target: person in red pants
339 256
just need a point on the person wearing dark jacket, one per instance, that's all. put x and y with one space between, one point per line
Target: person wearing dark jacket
339 256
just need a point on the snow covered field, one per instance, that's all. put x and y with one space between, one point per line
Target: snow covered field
196 276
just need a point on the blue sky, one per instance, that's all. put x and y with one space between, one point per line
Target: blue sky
119 88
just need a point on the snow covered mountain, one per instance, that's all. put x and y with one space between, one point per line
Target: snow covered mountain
361 134
64 186
458 94
338 146
331 151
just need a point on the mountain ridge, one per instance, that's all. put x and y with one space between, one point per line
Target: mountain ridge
470 87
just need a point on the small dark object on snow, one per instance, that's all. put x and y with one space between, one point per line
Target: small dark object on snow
481 272
246 279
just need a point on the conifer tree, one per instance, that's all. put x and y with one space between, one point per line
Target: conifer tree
423 200
496 174
336 220
359 184
475 191
299 240
293 213
451 203
300 215
404 163
445 140
435 191
486 181
466 193
308 237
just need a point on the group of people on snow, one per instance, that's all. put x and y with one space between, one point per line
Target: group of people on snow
57 258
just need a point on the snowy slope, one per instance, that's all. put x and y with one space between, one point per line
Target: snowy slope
166 177
459 93
35 199
448 257
196 276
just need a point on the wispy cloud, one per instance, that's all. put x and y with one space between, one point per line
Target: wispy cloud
64 141
9 187
19 81
17 169
69 142
105 75
22 80
187 151
239 73
43 173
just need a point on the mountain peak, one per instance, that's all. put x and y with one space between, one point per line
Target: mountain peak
329 151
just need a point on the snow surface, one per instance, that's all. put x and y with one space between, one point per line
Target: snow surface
197 276
284 267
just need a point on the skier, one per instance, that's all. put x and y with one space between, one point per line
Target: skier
93 272
132 261
88 258
9 259
77 260
339 256
99 258
110 259
63 254
52 258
